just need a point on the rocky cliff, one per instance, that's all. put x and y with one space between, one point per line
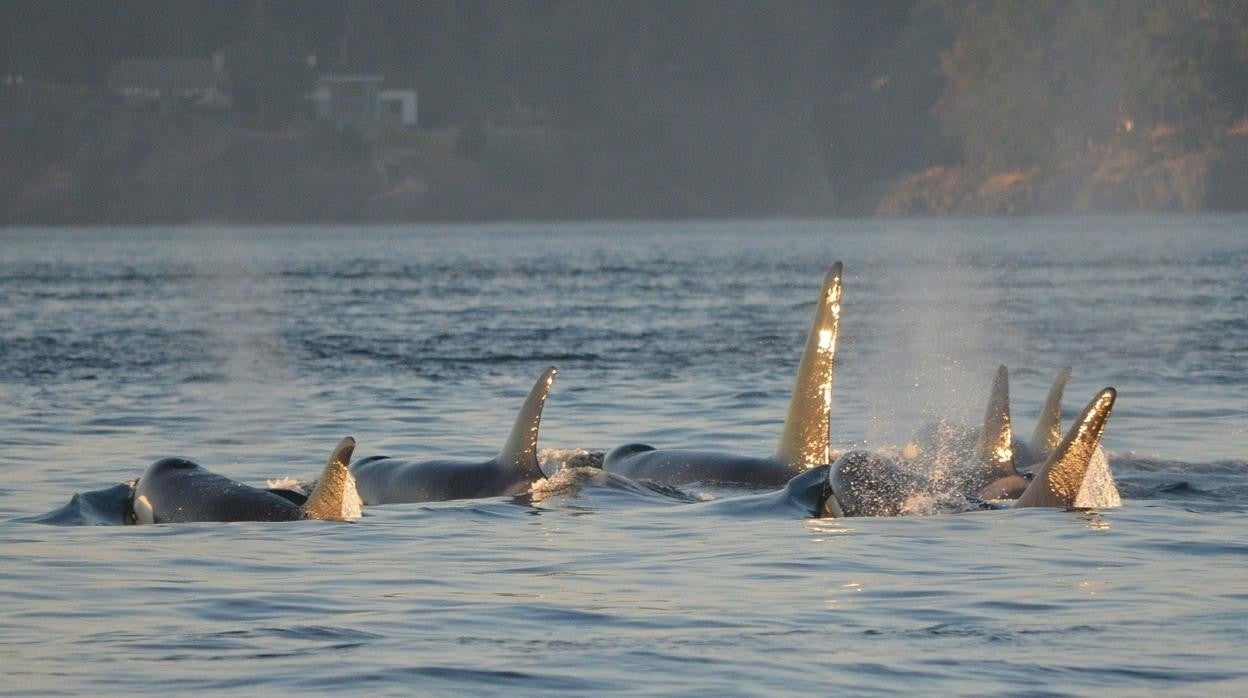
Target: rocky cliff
1157 175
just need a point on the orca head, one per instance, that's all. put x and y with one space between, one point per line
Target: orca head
866 483
141 510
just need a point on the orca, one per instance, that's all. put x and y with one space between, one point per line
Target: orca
176 490
867 483
857 483
990 465
803 442
1099 489
1001 466
386 480
805 496
111 506
1006 477
863 483
1059 482
991 462
1048 432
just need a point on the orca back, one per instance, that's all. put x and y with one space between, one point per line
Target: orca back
176 490
679 467
382 480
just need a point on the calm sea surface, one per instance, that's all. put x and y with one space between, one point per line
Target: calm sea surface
253 350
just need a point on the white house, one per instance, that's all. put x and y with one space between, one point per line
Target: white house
358 101
398 106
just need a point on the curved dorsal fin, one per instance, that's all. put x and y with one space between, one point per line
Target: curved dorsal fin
995 447
804 441
1058 482
520 450
328 500
1048 433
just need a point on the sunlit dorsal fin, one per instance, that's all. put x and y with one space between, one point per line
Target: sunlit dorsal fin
1048 431
1058 482
327 501
995 447
520 450
804 441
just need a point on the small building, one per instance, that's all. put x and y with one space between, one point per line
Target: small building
358 101
398 107
171 82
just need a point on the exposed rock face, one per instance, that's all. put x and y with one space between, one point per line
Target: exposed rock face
1009 193
1103 180
936 190
948 190
1127 181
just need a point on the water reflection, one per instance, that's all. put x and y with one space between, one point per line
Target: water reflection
827 528
1094 519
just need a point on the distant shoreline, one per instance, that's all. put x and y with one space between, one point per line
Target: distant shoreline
76 157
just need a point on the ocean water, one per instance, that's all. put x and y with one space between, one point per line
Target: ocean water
253 350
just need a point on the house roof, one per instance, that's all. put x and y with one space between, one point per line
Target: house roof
174 73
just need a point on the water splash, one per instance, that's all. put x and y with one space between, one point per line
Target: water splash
552 460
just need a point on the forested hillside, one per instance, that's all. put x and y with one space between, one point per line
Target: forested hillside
635 108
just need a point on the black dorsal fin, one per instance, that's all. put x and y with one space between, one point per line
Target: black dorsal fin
520 450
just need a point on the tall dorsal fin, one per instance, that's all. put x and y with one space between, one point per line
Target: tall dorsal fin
995 447
1048 433
804 441
328 500
1060 478
520 451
